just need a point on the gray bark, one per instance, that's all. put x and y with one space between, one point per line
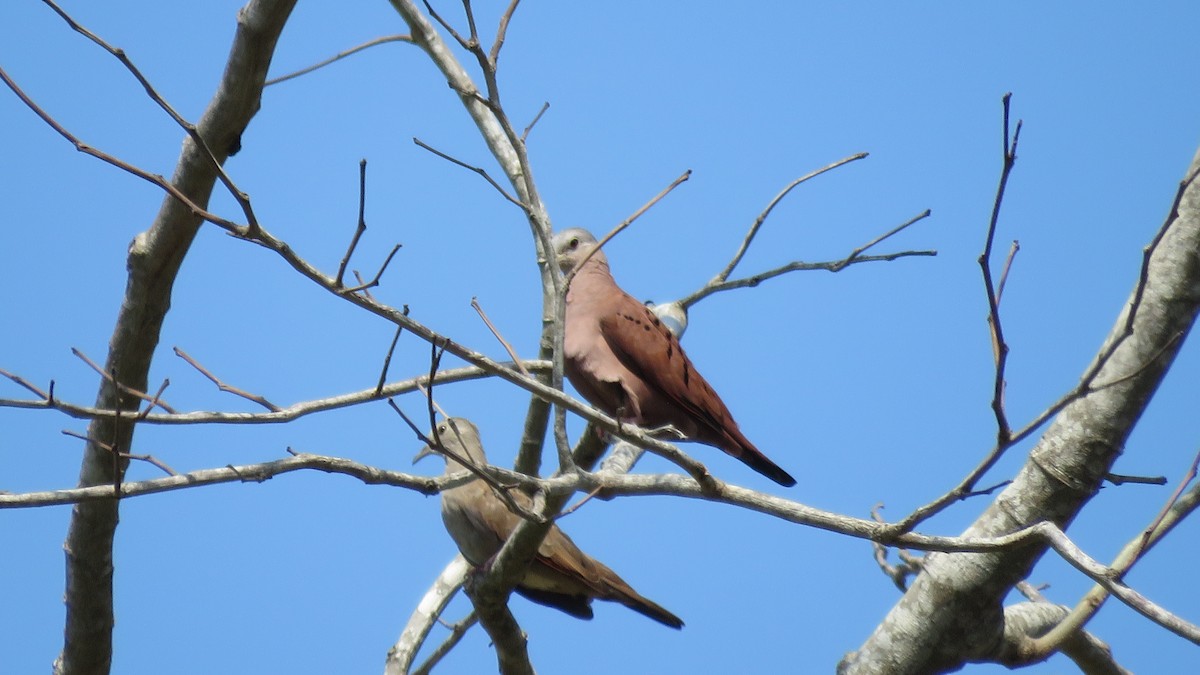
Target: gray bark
953 613
154 260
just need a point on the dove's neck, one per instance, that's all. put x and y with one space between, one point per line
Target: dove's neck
452 466
592 282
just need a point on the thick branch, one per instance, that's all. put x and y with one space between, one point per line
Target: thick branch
154 260
953 613
402 654
507 146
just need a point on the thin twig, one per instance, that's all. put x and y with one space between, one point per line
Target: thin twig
1097 386
762 217
886 235
538 116
366 289
428 394
501 31
362 222
575 507
27 384
225 387
387 360
374 281
855 257
479 170
435 358
84 437
240 197
1012 253
910 565
251 473
1120 479
339 56
1171 502
292 412
150 459
507 347
462 42
999 346
626 223
168 187
1085 386
154 400
125 388
457 631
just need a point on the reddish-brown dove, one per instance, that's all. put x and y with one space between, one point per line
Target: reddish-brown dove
622 359
561 576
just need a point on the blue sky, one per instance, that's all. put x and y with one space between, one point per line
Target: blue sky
870 385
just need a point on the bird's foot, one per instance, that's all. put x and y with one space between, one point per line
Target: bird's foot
666 430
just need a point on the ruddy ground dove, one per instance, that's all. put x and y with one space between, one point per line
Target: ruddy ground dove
561 575
623 360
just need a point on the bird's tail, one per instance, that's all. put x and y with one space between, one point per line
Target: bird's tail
740 447
648 608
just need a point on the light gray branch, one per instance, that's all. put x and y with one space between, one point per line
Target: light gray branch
1027 620
507 146
246 473
953 612
553 493
292 412
154 260
400 657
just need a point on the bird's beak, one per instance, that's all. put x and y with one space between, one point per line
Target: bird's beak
425 452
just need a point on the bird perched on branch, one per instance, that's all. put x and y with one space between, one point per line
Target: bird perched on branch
561 576
622 359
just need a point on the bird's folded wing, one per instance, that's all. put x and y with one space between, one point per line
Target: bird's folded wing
649 350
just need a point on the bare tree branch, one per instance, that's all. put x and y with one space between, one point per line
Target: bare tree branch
222 386
124 388
154 261
1159 357
479 170
717 284
402 654
624 224
500 338
192 130
533 123
338 57
362 221
957 603
247 473
723 275
457 631
287 414
558 489
1176 509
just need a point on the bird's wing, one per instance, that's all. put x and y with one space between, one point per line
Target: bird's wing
652 352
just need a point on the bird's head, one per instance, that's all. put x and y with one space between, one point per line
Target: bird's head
572 245
459 436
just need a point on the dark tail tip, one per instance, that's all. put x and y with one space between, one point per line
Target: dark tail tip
777 474
755 459
654 611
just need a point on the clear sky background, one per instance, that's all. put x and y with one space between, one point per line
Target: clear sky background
871 385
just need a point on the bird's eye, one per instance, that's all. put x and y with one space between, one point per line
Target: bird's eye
442 428
573 244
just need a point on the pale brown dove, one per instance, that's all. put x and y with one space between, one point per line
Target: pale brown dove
622 359
561 576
